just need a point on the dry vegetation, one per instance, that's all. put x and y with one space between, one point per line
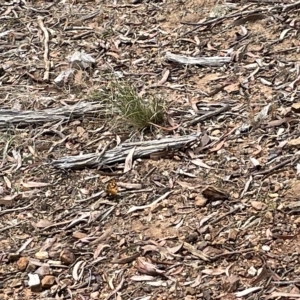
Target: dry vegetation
202 161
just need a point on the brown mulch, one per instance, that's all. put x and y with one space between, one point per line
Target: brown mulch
215 219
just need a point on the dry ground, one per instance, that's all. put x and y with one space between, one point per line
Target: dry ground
227 224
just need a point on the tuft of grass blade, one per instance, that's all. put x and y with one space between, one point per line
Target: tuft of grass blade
137 111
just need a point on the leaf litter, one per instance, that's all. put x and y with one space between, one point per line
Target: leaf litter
207 204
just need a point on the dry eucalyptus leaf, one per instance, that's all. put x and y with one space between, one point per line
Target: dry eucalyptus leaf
147 268
43 223
126 260
31 184
78 270
79 235
200 163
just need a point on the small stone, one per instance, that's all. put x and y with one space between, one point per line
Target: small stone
67 281
207 237
42 255
54 254
48 281
215 132
231 283
294 143
190 291
94 295
192 237
204 229
200 201
43 270
34 282
266 248
67 257
31 267
252 271
232 235
269 216
258 205
235 195
296 107
201 245
13 256
22 263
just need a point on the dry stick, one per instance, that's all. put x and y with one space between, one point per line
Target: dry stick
269 1
213 258
286 282
10 226
289 6
82 35
219 19
206 116
149 173
225 215
224 136
6 211
46 51
90 16
285 162
93 197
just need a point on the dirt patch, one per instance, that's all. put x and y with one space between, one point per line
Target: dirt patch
216 218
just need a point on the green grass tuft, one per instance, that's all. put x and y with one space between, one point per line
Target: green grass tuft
139 112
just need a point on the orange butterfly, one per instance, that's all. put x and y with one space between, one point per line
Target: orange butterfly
112 188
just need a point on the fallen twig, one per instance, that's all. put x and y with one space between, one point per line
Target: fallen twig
225 215
135 208
206 116
46 50
6 211
285 162
233 15
216 257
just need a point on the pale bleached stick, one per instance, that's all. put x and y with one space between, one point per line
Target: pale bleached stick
46 51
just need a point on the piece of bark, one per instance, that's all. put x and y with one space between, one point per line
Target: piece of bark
119 153
10 118
215 61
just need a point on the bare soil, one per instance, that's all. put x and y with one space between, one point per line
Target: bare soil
216 219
